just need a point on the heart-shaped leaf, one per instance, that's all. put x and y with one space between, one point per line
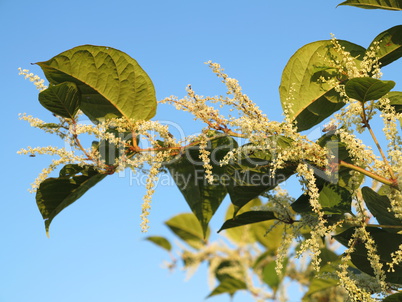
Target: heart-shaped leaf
111 83
62 99
367 89
312 100
375 4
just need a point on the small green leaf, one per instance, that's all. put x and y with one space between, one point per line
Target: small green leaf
187 228
55 194
389 43
393 298
379 206
312 100
270 276
395 98
241 235
228 286
386 244
111 83
367 89
320 284
62 99
335 199
248 218
251 175
375 4
160 241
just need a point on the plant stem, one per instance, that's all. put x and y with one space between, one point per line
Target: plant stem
367 125
389 182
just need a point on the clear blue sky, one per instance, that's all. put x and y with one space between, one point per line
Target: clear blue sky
96 251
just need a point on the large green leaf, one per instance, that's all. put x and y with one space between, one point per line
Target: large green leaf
55 194
248 218
187 228
111 83
367 89
312 100
374 4
390 44
386 244
228 286
379 206
62 99
188 173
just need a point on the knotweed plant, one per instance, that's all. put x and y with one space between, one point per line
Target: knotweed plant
339 173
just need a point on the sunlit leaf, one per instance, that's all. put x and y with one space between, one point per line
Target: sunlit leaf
228 286
389 43
367 89
62 99
160 241
311 99
111 83
188 229
375 4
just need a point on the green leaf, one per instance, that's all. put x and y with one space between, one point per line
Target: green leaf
160 241
390 45
241 235
395 98
55 194
62 99
379 206
229 268
312 101
335 199
386 244
187 228
248 218
111 83
270 277
375 4
228 286
188 173
367 89
320 284
393 298
251 175
338 151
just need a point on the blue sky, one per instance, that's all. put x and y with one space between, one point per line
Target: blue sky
96 251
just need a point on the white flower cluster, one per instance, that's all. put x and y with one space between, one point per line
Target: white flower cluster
37 81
